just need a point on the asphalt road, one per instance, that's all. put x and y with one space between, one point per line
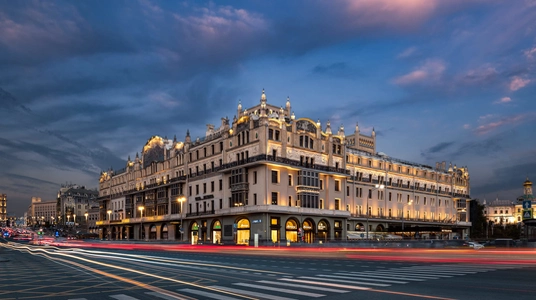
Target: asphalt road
37 272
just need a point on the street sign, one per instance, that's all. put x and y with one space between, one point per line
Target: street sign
527 214
527 204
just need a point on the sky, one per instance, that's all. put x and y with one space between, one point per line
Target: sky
85 84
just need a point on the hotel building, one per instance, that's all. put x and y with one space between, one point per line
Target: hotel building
269 176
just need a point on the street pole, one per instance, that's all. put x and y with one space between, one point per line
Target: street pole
181 199
141 221
376 187
403 208
109 225
87 225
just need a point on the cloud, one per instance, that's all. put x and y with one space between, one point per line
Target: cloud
483 75
437 148
466 126
402 13
518 82
503 100
407 53
338 69
430 71
491 126
530 53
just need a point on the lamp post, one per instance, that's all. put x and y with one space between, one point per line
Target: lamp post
376 187
109 225
141 208
87 225
74 222
403 207
181 199
68 220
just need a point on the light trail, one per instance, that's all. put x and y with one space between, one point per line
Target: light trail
45 252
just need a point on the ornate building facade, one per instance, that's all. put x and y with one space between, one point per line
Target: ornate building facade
268 176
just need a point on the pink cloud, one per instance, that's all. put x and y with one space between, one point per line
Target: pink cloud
503 100
530 53
489 127
518 82
431 70
403 13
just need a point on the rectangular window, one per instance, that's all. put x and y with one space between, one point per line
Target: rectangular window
204 187
255 199
274 198
337 185
212 186
347 191
254 177
221 184
289 180
337 204
321 184
275 176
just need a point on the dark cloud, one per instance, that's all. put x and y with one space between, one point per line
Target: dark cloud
438 148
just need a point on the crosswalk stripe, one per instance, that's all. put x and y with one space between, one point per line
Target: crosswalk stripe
413 274
161 296
123 297
438 271
344 286
355 280
269 288
365 278
398 275
207 294
387 277
471 270
441 272
250 293
301 286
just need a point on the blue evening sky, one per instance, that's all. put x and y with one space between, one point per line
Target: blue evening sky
84 84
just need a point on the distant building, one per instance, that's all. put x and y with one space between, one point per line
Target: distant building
41 213
270 176
501 212
73 203
3 208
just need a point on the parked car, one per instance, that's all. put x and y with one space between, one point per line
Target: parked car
501 243
473 245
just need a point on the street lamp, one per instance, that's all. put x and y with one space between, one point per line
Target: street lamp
181 199
141 208
109 225
376 187
403 207
87 225
74 221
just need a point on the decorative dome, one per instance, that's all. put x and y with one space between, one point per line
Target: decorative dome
527 182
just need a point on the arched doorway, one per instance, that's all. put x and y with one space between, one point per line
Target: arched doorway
195 232
380 228
164 232
323 231
308 231
152 232
291 229
242 232
216 232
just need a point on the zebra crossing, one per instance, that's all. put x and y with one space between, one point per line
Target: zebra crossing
321 284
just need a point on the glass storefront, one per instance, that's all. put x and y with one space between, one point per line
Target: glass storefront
243 232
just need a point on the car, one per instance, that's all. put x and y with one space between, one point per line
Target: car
473 245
